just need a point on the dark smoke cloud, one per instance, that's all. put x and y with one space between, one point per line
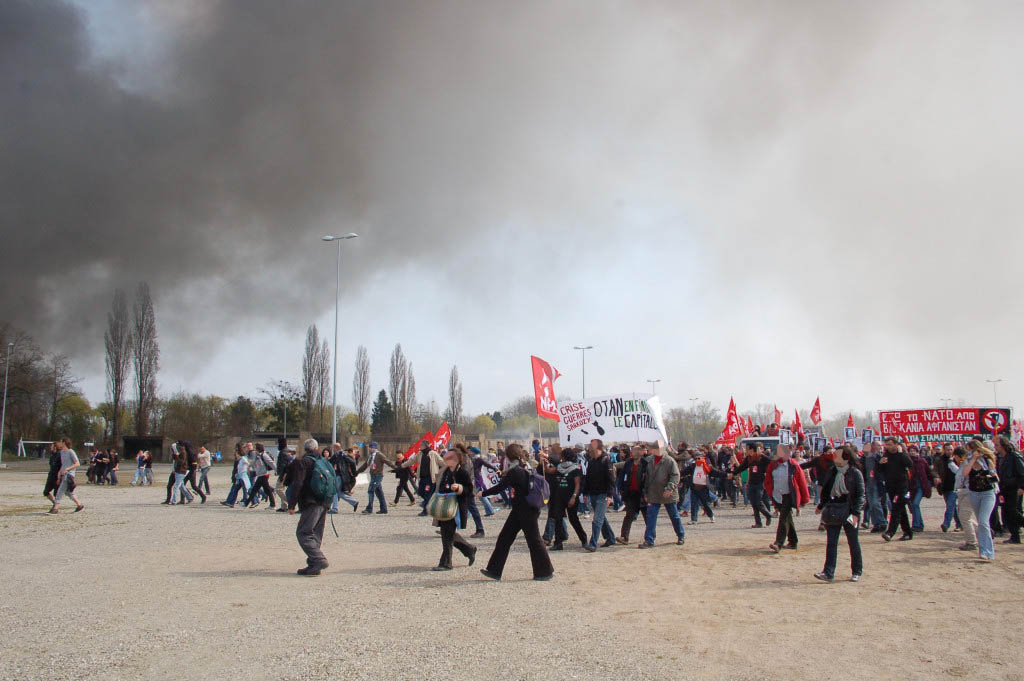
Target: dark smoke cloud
826 161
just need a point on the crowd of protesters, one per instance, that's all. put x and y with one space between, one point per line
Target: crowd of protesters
879 489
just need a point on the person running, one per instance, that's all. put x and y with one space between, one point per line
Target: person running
756 462
1011 486
661 489
522 518
565 499
981 486
375 462
633 484
455 479
842 493
179 470
261 467
896 466
312 513
52 477
786 485
66 476
598 482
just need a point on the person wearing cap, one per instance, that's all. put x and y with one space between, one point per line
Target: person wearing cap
312 513
376 462
661 488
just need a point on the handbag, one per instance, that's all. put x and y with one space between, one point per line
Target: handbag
835 513
443 506
981 480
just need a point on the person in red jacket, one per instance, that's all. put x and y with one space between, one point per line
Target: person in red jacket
786 485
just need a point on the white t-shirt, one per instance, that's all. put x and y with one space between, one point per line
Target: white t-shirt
68 458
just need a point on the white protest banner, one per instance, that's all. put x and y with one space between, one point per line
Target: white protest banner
626 417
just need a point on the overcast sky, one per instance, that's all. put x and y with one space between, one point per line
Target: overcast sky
769 201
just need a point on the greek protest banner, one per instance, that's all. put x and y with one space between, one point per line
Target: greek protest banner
627 417
944 425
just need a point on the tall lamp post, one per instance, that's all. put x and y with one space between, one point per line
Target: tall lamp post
3 414
993 381
693 419
583 351
652 381
337 296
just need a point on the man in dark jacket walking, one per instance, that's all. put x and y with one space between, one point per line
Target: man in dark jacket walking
896 465
597 485
312 513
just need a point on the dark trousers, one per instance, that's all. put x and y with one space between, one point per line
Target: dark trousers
898 515
634 505
559 512
190 478
786 531
100 473
450 537
310 533
523 519
261 483
759 503
832 548
403 486
425 489
1012 511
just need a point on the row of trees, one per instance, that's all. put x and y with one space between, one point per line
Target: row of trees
131 349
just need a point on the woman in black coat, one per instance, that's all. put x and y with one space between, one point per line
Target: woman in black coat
842 494
455 479
522 517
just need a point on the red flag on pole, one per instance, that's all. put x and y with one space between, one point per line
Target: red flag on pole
798 426
750 426
443 435
816 412
778 416
850 423
732 429
544 377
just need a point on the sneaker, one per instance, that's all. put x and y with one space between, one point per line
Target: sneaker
490 575
680 541
477 534
608 544
906 537
382 512
223 503
622 540
645 545
823 577
944 528
855 578
368 511
712 520
589 549
545 578
886 536
558 547
80 507
775 548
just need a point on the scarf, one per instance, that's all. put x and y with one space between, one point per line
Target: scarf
566 467
839 484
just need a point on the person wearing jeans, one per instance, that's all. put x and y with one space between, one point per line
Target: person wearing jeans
661 488
982 459
180 470
755 463
597 484
843 488
376 462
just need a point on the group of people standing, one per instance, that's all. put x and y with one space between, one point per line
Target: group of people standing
103 466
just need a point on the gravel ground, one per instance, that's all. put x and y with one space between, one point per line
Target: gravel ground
131 589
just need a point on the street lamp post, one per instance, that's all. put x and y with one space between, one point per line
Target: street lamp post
993 381
652 381
693 420
583 351
948 402
337 296
3 414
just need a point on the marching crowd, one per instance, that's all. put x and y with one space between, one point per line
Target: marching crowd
879 489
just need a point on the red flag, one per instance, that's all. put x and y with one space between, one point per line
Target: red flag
850 423
798 427
750 426
442 436
428 436
732 429
778 416
544 377
816 412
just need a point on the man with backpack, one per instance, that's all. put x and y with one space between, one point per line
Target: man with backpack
315 484
345 468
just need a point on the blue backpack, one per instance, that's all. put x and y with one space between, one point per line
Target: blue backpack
539 493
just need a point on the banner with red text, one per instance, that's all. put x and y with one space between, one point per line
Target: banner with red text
954 424
627 417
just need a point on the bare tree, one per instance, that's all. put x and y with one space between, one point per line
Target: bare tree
454 413
409 395
323 378
398 374
361 396
310 373
118 342
61 383
145 357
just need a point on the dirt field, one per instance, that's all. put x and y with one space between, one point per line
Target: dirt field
131 589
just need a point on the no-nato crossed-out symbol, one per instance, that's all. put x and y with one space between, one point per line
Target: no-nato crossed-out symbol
994 420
